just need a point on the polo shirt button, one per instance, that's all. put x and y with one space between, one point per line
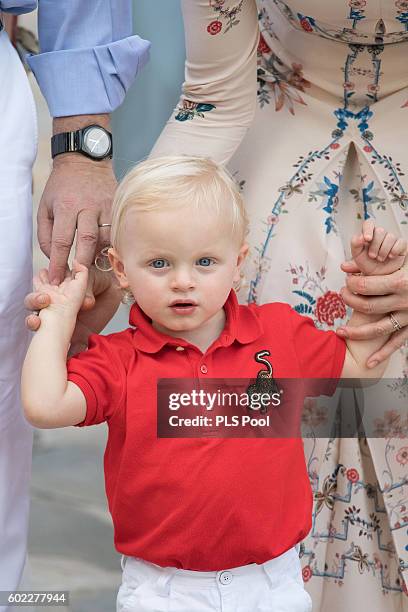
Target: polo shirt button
179 348
225 577
204 369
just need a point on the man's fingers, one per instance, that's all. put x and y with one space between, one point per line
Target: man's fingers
87 237
44 229
397 340
104 235
89 299
62 238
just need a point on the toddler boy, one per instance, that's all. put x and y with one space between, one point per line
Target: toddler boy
198 521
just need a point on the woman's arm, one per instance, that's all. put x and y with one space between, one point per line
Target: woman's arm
219 93
49 400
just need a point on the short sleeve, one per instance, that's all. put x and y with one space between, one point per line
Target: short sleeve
320 353
100 376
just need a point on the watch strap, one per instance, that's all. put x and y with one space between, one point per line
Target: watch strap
66 142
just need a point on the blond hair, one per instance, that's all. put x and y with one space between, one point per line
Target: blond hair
176 181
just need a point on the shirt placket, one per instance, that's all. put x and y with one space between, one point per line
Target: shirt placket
201 367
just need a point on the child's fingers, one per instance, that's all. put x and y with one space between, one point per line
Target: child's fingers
357 245
368 230
386 246
379 235
399 248
350 267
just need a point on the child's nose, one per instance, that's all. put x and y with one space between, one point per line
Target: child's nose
183 280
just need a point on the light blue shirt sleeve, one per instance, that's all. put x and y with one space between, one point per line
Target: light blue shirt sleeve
89 56
17 7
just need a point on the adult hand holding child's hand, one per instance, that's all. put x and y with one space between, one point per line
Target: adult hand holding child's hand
377 282
67 297
101 301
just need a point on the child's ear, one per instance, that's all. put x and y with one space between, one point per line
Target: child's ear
242 253
118 267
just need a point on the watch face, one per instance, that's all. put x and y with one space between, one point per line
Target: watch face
96 142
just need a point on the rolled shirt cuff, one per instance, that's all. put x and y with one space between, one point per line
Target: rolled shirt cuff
18 7
89 81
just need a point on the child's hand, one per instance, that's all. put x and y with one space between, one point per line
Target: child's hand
376 251
69 295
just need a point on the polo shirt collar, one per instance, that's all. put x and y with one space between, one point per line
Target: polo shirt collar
241 324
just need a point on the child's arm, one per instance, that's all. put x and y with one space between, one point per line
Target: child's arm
375 252
48 398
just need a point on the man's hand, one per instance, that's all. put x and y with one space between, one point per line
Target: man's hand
103 296
77 197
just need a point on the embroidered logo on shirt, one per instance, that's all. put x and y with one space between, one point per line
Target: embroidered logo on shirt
265 383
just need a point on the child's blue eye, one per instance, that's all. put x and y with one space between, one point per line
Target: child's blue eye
158 264
205 261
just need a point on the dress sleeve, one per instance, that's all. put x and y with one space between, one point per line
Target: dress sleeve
101 378
89 56
219 93
320 354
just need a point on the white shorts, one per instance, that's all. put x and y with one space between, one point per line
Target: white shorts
274 586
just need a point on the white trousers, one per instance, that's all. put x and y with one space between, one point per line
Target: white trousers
274 586
18 144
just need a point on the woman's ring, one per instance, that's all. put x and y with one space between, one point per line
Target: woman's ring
396 324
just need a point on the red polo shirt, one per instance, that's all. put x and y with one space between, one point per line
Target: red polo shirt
202 504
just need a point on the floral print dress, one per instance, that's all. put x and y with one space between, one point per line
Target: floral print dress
308 103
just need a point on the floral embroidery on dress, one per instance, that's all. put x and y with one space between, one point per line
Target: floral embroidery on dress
313 26
329 307
227 15
392 425
328 193
324 305
402 12
284 83
190 110
369 197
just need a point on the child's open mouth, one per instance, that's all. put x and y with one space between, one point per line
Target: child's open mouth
183 307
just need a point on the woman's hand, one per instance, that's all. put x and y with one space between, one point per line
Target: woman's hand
101 301
391 295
